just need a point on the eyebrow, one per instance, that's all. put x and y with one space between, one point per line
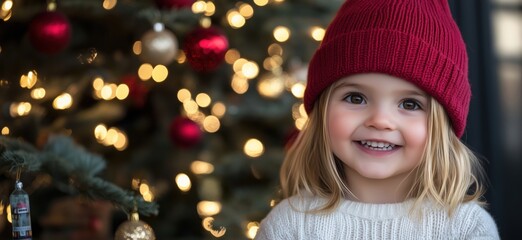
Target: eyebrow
409 92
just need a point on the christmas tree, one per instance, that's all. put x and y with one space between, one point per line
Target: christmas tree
177 109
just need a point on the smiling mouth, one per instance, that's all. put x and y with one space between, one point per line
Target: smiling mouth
378 146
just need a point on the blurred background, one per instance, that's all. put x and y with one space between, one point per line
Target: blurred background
192 102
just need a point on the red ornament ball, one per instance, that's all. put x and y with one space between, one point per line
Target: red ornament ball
185 132
205 48
50 32
169 4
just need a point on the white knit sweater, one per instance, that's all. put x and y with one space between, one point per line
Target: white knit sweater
356 220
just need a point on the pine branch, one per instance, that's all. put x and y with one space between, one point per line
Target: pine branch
73 169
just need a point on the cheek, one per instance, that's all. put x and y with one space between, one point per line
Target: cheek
340 126
416 136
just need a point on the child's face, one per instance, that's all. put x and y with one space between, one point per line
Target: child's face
377 125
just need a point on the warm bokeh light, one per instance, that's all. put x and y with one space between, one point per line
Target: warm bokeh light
144 188
299 115
63 101
146 192
5 131
8 211
281 33
208 224
231 56
197 116
201 167
203 100
211 124
250 70
29 80
275 49
135 183
210 9
271 86
183 182
6 11
122 91
298 90
235 19
122 142
300 123
181 57
190 106
205 22
219 109
145 71
317 33
246 10
108 91
20 109
184 94
136 48
112 137
261 3
7 5
98 83
238 64
508 33
252 228
148 197
253 148
199 6
239 84
109 4
208 208
160 73
38 93
100 132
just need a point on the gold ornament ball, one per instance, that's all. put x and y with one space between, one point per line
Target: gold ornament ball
134 229
159 47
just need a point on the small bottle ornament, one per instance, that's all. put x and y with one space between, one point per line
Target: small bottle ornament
20 213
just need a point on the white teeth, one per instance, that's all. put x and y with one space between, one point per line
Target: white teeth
378 145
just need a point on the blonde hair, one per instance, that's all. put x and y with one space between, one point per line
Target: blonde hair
448 173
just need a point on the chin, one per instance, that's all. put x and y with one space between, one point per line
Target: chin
376 175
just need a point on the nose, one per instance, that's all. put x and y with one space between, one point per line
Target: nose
380 118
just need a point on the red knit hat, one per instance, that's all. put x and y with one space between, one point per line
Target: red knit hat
416 40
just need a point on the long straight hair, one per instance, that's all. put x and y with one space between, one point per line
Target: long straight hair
448 173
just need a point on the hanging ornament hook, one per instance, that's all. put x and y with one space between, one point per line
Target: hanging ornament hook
18 174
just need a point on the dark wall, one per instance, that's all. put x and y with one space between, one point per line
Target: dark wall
486 121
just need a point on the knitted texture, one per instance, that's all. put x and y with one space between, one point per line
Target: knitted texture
356 220
414 40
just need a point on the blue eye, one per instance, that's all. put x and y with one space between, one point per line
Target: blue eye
410 104
355 98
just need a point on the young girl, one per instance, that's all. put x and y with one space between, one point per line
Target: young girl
380 157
